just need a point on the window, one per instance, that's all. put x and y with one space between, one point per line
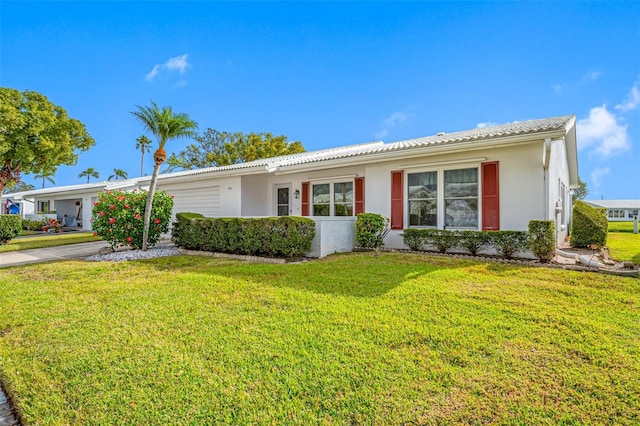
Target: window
343 199
461 198
448 194
616 214
633 214
43 206
423 199
332 199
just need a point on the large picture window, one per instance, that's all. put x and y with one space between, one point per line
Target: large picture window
332 199
444 198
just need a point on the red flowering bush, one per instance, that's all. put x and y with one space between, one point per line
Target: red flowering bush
118 217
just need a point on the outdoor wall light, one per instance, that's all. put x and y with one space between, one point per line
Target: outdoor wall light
296 194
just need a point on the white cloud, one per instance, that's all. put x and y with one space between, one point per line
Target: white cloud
597 174
395 119
591 76
633 100
178 63
602 131
485 124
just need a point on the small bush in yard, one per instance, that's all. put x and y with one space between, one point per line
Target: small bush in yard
509 242
589 226
413 238
118 217
371 228
33 225
10 227
542 239
473 241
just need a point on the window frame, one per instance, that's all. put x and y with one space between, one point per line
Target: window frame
441 197
332 203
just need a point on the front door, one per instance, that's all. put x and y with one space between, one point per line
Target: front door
283 200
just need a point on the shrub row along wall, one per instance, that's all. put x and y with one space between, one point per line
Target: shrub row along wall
540 240
285 236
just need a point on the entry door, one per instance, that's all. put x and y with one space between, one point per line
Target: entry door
283 200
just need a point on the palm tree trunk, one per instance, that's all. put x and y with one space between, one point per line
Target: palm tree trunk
147 209
142 163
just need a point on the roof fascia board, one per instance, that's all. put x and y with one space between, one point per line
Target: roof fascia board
214 174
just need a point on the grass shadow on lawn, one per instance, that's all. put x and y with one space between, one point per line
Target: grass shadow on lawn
322 276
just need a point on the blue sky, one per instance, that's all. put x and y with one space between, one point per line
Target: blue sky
331 74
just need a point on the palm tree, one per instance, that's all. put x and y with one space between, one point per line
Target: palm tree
165 125
143 143
118 173
89 173
45 176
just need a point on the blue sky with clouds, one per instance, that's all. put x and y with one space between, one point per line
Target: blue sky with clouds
331 74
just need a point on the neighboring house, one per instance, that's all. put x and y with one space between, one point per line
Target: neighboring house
618 210
490 178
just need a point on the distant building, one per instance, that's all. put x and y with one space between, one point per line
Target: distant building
617 210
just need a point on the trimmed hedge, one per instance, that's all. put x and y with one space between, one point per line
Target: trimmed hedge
33 225
10 227
371 229
507 243
542 239
589 226
284 236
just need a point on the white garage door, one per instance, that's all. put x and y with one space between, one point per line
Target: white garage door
205 201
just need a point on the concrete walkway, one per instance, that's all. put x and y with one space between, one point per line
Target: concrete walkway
70 251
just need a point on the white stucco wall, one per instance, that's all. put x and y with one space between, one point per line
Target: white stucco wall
333 235
521 184
256 196
558 173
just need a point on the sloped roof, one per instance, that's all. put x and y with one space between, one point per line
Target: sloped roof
615 204
500 132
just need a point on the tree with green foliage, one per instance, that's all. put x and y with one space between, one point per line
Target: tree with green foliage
118 174
143 143
165 125
45 177
36 135
18 187
89 173
216 148
581 192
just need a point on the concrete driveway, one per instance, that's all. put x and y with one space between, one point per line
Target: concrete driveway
70 251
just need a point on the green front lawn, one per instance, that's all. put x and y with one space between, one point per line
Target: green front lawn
352 339
624 246
47 240
620 226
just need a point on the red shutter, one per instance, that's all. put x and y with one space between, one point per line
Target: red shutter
359 183
305 198
397 202
490 197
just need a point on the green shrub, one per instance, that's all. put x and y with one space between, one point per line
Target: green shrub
473 241
371 228
589 226
509 242
10 227
542 239
33 225
284 236
418 239
412 238
118 217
